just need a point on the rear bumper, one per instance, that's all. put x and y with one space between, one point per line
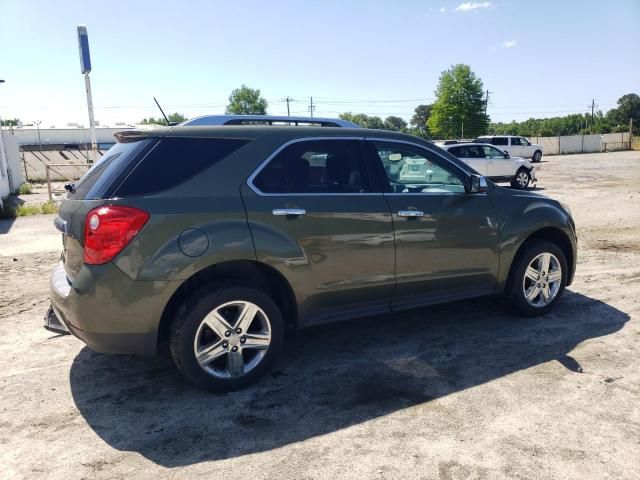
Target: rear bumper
107 310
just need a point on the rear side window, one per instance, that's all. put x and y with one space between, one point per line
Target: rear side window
175 160
316 166
500 141
100 176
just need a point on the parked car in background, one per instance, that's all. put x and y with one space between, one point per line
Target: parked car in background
494 163
515 145
214 240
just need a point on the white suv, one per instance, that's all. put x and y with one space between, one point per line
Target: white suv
493 163
516 146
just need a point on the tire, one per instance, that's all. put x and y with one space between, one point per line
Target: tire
226 362
537 156
522 179
517 285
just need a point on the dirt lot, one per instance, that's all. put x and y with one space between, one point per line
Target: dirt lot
459 391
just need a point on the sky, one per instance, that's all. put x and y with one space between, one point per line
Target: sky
538 59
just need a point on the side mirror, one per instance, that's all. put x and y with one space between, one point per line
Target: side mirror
506 155
476 184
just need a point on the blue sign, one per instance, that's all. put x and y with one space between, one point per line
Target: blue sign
83 45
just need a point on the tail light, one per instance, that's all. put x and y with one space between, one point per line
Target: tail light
107 230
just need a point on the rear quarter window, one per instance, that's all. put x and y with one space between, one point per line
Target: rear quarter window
100 176
175 160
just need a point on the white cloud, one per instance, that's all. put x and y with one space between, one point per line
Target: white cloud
509 43
468 6
442 10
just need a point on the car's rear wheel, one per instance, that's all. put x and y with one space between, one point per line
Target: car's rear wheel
521 179
537 156
226 339
537 279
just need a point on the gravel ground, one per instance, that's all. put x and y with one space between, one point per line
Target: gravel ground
461 391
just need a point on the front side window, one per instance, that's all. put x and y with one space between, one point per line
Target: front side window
414 170
316 166
524 142
491 152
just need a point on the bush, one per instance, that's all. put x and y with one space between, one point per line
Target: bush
25 189
49 207
27 210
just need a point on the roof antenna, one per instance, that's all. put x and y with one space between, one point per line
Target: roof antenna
162 111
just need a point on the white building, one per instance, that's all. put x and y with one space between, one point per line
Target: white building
11 173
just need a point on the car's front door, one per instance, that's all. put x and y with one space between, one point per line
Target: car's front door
315 218
517 147
498 165
473 156
446 240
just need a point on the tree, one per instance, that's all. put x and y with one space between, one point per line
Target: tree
459 107
628 108
10 122
173 118
363 120
246 101
420 117
395 123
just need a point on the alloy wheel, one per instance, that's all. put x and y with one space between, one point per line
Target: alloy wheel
232 339
542 280
522 178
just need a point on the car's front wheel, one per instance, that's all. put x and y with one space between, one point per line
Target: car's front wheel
225 339
537 279
521 179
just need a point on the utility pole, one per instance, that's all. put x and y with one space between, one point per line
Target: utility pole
486 103
311 106
288 99
37 124
462 126
593 106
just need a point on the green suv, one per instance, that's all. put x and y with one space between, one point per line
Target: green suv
217 239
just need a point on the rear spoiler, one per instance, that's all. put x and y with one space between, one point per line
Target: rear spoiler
138 134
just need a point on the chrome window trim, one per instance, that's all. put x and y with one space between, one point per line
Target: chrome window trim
264 163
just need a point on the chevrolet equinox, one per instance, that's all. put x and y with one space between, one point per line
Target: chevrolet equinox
215 239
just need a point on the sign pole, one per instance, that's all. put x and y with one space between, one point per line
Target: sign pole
92 126
85 68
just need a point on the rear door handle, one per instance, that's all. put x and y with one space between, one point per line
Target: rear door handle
286 212
410 213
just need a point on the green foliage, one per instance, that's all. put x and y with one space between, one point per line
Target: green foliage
10 122
27 210
365 121
459 105
25 189
246 101
173 118
395 123
420 118
49 207
628 108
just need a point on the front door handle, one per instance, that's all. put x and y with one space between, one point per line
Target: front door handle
289 212
410 213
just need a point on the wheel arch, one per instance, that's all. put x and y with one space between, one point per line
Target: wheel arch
554 235
244 272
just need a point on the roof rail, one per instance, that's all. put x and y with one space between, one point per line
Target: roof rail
268 120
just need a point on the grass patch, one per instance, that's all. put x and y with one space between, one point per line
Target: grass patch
25 189
27 210
49 207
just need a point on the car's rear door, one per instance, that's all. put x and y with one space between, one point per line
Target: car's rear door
446 240
316 217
